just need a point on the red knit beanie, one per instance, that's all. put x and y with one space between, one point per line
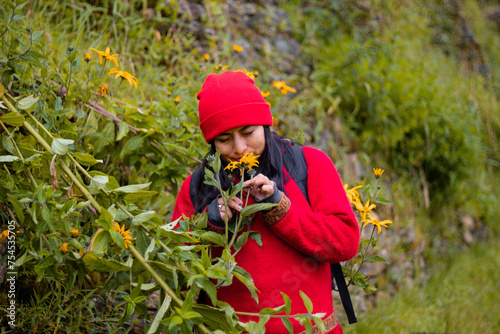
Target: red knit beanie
229 100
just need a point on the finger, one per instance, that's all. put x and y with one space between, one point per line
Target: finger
229 215
267 190
236 204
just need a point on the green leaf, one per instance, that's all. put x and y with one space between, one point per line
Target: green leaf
175 321
246 279
209 288
216 164
319 322
105 220
146 216
287 324
86 159
139 195
98 263
275 310
97 183
187 305
370 288
216 318
214 237
13 119
27 102
129 310
307 302
382 200
8 158
122 132
241 240
101 241
256 237
249 209
60 146
376 258
133 188
288 303
132 145
159 314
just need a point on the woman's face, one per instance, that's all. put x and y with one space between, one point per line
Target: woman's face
235 143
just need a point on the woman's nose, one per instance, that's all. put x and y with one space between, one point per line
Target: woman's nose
240 145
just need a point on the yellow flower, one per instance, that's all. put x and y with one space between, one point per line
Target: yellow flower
106 55
378 172
284 88
250 160
247 161
87 57
352 194
237 48
378 223
103 90
206 56
367 208
177 100
64 248
232 165
266 94
220 67
276 122
250 74
125 75
74 232
125 234
3 236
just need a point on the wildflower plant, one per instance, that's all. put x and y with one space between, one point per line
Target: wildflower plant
363 198
236 236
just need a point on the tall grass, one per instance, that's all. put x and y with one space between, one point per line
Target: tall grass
461 297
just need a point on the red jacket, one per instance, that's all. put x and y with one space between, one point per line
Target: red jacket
297 250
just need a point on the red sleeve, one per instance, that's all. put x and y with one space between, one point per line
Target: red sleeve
328 230
183 204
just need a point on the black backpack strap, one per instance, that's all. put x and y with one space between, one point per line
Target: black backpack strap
344 293
296 165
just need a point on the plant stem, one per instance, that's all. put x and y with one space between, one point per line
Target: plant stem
363 257
162 283
237 227
13 142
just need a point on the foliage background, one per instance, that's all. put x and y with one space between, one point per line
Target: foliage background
410 87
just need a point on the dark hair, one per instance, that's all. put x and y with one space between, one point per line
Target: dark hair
270 164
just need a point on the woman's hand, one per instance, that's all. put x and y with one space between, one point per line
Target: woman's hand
259 187
234 204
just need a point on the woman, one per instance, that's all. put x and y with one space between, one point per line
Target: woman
301 236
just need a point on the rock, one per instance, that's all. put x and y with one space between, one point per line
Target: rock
153 300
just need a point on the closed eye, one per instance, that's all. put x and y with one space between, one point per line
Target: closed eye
222 140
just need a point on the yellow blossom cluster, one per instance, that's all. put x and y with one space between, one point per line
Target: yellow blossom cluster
247 161
283 87
3 236
106 55
125 234
366 209
103 90
252 75
237 48
220 67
